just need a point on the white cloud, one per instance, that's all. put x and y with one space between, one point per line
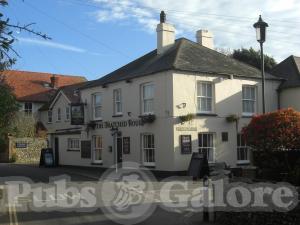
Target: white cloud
51 44
56 45
230 20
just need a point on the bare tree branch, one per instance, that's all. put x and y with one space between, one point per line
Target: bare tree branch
29 30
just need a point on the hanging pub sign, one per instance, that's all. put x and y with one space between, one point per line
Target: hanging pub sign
186 144
77 114
126 145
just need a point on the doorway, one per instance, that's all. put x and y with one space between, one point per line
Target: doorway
119 150
56 151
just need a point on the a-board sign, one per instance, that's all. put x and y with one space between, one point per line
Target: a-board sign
47 157
86 149
198 167
186 144
126 145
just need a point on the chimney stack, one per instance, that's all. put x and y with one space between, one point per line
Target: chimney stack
165 34
54 81
205 38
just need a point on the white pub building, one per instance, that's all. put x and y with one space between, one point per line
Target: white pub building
180 98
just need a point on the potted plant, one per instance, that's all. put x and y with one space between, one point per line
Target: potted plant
232 118
186 118
150 118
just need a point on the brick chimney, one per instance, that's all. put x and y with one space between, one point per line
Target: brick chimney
205 38
165 34
54 81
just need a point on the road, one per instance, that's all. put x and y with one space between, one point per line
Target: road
14 214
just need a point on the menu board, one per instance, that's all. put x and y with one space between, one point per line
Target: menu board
86 149
126 145
186 144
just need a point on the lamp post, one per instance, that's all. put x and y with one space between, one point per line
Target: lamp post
115 132
260 27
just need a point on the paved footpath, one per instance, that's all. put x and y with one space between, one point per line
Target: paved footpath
14 214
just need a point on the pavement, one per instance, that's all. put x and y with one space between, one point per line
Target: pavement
21 210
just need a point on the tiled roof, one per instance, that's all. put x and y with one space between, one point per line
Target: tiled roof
70 92
289 69
184 55
35 86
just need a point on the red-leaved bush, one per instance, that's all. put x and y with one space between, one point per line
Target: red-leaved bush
275 131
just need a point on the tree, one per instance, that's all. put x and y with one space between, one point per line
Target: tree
274 137
252 57
8 107
7 52
279 130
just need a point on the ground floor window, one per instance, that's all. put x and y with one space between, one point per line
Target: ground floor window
74 144
148 149
97 148
242 150
206 145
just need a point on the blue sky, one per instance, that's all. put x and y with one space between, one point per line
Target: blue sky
94 37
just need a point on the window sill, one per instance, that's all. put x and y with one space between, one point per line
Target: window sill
247 115
243 162
49 122
73 150
97 163
206 114
148 166
117 115
97 120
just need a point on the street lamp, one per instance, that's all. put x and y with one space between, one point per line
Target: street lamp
261 28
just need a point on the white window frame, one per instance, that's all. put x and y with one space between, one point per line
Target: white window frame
242 146
205 97
97 148
50 116
209 149
144 99
68 113
147 150
117 93
94 106
58 118
254 101
28 111
74 144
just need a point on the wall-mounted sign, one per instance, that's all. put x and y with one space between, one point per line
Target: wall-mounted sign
186 128
21 144
126 145
122 123
77 114
86 149
186 144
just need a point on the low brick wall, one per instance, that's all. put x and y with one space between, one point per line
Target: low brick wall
27 150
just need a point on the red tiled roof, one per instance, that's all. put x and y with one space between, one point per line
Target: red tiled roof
30 86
